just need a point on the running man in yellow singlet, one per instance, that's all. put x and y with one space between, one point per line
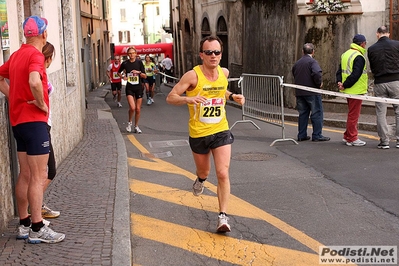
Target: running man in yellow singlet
206 94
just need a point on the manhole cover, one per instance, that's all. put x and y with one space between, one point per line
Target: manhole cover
253 156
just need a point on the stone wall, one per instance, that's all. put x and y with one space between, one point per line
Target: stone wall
6 199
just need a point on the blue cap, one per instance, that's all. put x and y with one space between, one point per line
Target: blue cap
358 39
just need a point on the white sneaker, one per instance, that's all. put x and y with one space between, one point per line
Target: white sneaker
152 100
119 105
149 101
46 235
357 142
137 130
223 226
198 187
129 127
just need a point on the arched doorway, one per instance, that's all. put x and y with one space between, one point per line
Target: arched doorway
205 28
223 35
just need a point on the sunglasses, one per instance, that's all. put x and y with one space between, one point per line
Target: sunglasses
210 52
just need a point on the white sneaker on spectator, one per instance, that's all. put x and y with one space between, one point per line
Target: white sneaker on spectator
357 142
46 235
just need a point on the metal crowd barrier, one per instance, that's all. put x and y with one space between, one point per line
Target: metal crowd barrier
263 101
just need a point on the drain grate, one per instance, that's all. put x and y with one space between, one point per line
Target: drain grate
253 156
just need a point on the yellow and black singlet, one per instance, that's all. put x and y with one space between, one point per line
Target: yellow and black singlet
209 117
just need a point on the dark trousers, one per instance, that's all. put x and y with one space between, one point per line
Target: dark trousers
309 105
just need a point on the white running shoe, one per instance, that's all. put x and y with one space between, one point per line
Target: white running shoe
357 142
46 235
119 105
198 187
149 101
223 225
129 127
152 100
137 130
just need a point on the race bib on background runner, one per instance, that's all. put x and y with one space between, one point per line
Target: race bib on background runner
133 78
115 75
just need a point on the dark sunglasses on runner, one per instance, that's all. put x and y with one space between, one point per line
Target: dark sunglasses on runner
210 52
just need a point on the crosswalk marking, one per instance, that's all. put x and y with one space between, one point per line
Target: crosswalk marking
217 246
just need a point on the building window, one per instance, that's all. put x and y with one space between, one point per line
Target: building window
123 14
124 36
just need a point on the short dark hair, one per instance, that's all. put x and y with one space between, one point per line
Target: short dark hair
308 48
209 39
383 30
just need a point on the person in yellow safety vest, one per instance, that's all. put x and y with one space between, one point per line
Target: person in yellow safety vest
352 79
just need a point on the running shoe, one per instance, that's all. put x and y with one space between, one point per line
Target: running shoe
46 235
23 232
357 142
129 127
152 100
137 130
119 105
223 225
49 213
384 146
198 187
397 144
149 101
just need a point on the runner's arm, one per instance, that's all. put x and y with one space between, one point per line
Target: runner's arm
188 81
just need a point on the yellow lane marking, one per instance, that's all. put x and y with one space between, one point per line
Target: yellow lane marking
239 204
217 246
337 131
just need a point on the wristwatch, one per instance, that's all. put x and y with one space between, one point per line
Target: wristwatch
231 97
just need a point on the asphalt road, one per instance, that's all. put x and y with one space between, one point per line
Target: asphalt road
287 200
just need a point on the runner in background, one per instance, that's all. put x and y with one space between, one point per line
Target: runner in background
116 81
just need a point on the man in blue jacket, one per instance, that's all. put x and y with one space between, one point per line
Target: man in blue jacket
384 64
307 72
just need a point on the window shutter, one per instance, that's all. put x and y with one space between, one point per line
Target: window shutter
120 37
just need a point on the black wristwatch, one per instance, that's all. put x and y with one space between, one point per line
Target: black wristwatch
231 97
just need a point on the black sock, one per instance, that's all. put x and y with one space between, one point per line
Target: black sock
37 226
25 222
201 180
